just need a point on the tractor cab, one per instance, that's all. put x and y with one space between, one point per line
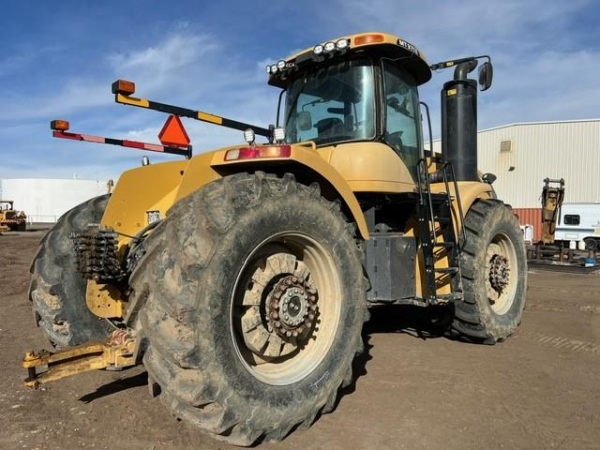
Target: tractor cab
357 89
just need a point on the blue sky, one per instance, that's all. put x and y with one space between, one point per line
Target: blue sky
58 60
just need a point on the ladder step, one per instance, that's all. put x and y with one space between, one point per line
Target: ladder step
444 244
449 270
454 296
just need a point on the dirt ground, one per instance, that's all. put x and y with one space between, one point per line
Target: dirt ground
538 390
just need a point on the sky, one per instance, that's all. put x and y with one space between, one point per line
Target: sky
58 60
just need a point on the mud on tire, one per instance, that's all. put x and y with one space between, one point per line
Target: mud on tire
254 306
57 289
494 274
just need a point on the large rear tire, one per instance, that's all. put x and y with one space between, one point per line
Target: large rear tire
255 300
57 289
494 274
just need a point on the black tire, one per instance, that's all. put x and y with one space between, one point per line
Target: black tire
203 350
494 274
591 243
57 289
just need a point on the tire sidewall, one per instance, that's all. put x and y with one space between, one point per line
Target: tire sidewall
499 221
289 214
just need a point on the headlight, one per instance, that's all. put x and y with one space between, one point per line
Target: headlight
318 49
281 65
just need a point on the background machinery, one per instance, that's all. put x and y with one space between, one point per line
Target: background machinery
11 218
241 277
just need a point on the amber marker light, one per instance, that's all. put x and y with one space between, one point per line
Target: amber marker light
59 125
123 87
368 39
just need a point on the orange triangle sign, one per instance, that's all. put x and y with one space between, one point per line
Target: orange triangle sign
173 133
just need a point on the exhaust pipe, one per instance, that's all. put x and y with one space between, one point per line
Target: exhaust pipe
459 123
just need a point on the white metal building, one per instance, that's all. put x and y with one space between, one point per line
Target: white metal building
521 155
45 200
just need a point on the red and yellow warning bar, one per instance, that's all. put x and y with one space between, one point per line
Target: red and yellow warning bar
60 128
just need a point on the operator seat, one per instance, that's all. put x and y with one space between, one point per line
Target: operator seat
330 127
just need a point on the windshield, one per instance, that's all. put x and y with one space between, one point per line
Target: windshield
402 121
331 103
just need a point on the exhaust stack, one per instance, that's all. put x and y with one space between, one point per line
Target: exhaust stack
459 122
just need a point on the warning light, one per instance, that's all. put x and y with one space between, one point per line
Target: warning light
59 125
267 151
365 39
173 133
123 87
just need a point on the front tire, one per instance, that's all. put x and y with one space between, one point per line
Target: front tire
57 289
255 305
494 274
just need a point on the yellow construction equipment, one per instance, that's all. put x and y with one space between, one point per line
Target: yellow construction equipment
242 276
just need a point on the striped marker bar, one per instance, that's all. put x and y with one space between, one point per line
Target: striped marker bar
184 112
187 152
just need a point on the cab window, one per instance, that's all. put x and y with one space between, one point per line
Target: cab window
331 103
402 116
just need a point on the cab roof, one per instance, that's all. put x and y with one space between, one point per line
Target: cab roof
376 44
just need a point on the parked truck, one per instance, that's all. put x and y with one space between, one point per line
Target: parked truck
579 222
241 278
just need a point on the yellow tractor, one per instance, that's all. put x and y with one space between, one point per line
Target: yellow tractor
241 278
10 218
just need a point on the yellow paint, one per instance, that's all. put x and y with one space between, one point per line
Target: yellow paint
210 118
104 300
451 92
127 100
371 167
312 159
72 361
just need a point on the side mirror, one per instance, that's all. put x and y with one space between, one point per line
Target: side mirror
486 74
488 178
304 121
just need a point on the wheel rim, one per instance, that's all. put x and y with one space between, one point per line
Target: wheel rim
285 308
501 273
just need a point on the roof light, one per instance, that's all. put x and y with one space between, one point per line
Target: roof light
318 49
249 136
269 70
59 125
266 151
123 87
274 69
329 47
341 44
281 64
368 39
279 134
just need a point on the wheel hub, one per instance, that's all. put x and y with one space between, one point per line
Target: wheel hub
291 307
499 272
280 307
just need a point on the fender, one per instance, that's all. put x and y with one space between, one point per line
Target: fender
300 155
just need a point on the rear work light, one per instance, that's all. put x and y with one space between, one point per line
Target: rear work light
59 125
266 151
123 87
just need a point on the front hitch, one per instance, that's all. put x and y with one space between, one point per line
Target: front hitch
117 353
